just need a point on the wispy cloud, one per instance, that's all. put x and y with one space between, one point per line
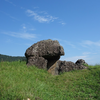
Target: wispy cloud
74 58
65 42
35 7
86 53
91 60
90 43
22 7
89 53
24 27
20 35
89 57
28 27
63 23
69 43
10 2
39 18
9 15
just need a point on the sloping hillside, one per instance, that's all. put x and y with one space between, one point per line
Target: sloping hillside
19 82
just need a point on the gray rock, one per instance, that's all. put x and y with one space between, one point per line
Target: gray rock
39 62
46 49
44 54
80 62
66 66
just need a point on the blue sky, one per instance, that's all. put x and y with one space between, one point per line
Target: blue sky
74 23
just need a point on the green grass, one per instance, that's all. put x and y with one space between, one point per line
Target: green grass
19 82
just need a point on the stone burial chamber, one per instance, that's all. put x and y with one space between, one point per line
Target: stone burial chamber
45 54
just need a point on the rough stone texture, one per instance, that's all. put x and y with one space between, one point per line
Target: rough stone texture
45 48
65 66
39 62
44 54
80 62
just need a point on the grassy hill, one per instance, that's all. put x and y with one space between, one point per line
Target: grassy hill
19 82
11 58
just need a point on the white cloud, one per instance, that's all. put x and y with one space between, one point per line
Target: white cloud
91 43
93 50
89 54
20 35
41 19
62 23
28 27
89 57
24 27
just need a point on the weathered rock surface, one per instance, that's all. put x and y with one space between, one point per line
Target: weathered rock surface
39 62
80 62
44 54
65 66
